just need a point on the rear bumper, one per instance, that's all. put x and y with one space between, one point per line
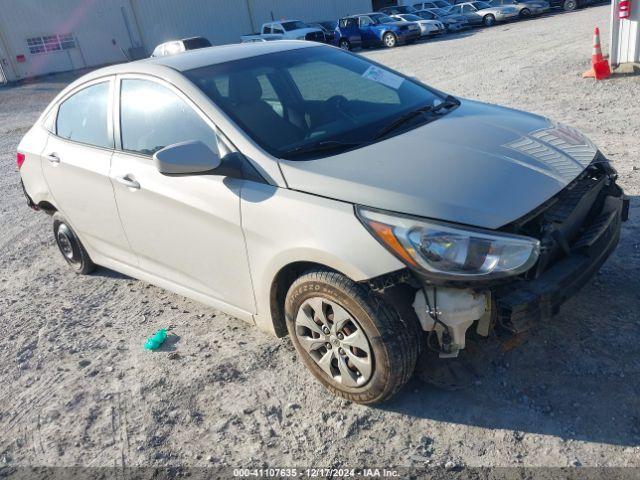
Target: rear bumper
32 205
521 304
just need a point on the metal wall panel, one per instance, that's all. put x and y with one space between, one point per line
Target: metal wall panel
97 26
307 10
625 35
220 21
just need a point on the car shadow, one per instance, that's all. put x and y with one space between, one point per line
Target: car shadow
575 376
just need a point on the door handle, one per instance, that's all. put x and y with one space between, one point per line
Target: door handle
128 181
53 158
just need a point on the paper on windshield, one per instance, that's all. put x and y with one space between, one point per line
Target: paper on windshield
384 77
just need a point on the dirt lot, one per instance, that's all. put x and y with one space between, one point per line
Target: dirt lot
76 387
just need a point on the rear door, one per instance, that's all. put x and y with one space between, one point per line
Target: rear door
76 165
185 229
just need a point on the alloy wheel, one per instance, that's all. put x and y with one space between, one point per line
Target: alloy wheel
334 339
389 40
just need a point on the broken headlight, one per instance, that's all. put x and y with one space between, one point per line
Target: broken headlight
447 251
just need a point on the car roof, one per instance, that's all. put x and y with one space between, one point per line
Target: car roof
201 57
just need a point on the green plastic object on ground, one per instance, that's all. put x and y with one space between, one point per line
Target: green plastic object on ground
153 343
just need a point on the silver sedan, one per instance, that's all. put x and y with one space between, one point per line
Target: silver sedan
481 13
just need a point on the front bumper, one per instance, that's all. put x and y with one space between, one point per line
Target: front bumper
523 303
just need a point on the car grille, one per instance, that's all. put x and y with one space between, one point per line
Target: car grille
315 37
566 222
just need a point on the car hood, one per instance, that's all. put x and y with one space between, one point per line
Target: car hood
480 165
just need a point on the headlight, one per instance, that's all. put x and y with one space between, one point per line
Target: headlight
447 251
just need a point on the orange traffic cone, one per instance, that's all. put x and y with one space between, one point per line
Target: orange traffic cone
599 65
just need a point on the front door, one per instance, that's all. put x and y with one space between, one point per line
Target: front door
185 229
367 33
76 165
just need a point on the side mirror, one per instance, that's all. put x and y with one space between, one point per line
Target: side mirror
186 158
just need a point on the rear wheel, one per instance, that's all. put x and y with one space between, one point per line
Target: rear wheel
525 13
570 5
344 44
355 344
489 20
389 39
70 246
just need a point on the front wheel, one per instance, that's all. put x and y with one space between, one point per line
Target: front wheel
389 40
344 44
489 20
525 13
355 344
570 5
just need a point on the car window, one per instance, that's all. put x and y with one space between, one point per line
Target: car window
266 29
468 9
365 21
319 81
153 117
84 117
277 29
330 96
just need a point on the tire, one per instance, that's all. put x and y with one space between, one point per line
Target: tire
525 13
569 5
71 247
489 20
389 40
344 44
327 314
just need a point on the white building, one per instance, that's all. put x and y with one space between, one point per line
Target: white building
625 36
45 36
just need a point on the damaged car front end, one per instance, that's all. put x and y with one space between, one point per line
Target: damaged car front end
515 276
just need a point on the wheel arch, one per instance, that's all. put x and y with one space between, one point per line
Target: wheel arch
283 279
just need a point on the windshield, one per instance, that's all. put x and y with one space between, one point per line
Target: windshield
481 5
380 18
293 25
441 12
442 4
410 17
293 99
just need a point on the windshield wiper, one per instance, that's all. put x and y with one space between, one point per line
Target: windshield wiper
320 146
401 120
448 103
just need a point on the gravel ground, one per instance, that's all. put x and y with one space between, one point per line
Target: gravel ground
76 387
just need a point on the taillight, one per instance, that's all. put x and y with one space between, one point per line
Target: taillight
20 158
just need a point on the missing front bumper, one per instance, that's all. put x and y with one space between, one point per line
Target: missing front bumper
522 304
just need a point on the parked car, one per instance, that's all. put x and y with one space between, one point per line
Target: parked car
481 13
317 193
427 27
397 9
328 28
569 5
526 8
451 21
179 46
431 5
374 29
289 29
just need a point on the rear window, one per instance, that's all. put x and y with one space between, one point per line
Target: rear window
195 43
84 117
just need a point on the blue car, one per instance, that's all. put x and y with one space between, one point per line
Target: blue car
372 30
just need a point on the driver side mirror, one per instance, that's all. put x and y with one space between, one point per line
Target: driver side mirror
186 158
